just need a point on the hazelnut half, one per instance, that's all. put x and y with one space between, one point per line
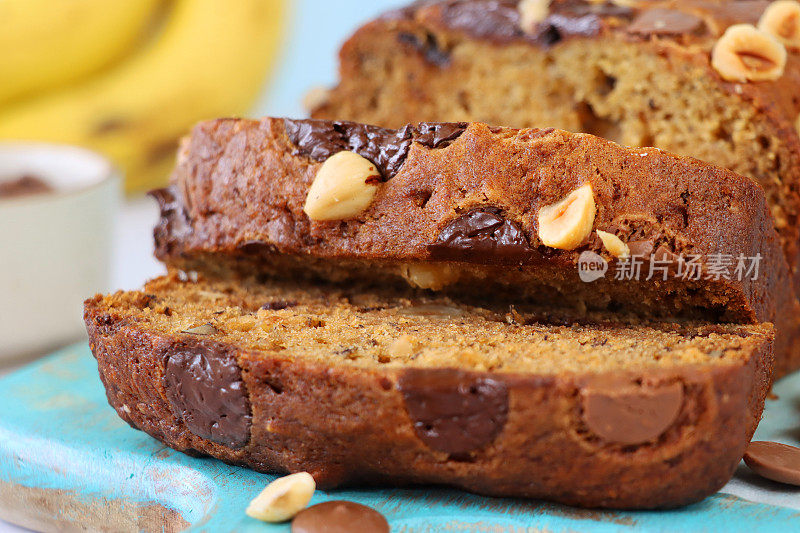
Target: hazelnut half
283 498
429 276
781 19
614 245
531 13
745 53
567 223
344 186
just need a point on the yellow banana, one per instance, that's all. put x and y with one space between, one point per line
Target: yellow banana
210 60
49 43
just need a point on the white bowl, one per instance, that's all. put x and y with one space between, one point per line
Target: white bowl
55 247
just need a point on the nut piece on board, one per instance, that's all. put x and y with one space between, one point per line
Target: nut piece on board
567 223
745 53
781 19
531 13
344 186
283 498
614 244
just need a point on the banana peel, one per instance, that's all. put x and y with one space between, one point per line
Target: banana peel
210 60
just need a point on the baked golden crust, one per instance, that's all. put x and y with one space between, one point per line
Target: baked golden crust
606 73
240 185
340 421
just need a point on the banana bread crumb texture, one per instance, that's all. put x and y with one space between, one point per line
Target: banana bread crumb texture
287 377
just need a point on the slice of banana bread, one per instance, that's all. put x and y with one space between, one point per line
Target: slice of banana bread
676 75
500 401
478 211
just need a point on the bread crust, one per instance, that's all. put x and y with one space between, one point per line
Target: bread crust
445 25
341 423
239 188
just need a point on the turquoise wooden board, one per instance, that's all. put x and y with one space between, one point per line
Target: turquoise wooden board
65 455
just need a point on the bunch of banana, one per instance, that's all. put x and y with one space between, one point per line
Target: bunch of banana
129 77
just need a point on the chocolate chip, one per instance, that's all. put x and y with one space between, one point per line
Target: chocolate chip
557 27
641 248
665 22
427 46
173 227
386 149
438 134
496 20
204 387
482 236
454 411
625 413
339 517
775 461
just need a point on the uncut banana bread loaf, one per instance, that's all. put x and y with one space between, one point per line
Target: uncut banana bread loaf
517 216
287 377
684 76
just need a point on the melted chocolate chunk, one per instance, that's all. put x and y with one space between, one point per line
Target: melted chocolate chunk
339 517
454 411
173 226
625 413
496 20
499 20
438 134
204 387
428 47
482 236
665 22
387 149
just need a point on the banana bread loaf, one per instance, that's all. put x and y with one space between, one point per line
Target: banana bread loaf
683 76
501 401
478 211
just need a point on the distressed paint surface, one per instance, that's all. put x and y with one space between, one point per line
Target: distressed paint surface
61 440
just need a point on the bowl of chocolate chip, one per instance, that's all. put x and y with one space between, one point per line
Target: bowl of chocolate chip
57 206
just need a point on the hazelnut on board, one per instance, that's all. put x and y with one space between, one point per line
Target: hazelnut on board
567 223
781 19
283 498
531 13
344 186
745 53
614 244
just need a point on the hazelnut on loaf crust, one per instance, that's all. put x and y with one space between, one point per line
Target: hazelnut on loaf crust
716 80
292 377
479 212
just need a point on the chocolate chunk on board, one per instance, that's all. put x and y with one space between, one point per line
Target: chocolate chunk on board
775 461
339 517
